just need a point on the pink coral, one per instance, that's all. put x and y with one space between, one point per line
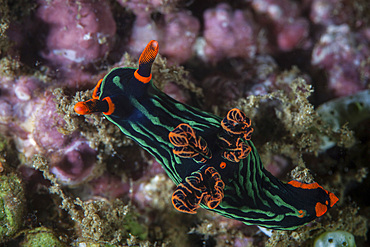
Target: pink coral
174 91
249 77
45 131
343 55
178 36
227 33
31 119
292 33
79 32
19 98
109 186
277 165
75 163
148 6
291 30
329 12
143 31
176 32
73 160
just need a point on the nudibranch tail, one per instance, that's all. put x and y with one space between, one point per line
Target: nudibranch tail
320 207
143 73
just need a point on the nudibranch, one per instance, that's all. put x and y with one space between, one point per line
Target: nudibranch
212 160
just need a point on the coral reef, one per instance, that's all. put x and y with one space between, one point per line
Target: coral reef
299 69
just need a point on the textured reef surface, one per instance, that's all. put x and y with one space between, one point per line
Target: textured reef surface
300 70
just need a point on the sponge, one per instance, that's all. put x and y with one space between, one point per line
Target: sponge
335 239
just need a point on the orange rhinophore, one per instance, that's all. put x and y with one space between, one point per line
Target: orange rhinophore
146 60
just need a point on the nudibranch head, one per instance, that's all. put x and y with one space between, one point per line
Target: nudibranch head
120 82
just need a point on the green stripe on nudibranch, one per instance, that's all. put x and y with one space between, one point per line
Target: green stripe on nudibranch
212 160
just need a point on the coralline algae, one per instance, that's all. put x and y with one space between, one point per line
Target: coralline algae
12 205
41 237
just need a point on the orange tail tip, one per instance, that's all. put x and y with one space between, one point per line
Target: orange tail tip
320 208
333 199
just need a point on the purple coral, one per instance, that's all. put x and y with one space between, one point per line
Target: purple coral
227 33
176 32
45 131
17 103
178 35
72 159
109 186
329 12
79 32
75 163
145 6
291 30
144 30
343 54
30 117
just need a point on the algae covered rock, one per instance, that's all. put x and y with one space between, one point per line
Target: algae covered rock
41 237
11 205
